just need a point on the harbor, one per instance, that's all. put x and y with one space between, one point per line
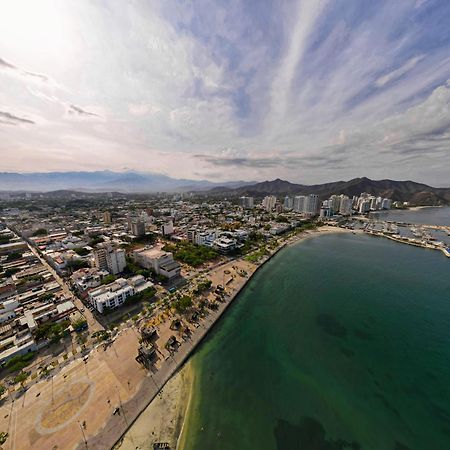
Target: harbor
433 237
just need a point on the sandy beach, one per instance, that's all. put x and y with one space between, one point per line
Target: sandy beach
97 401
162 420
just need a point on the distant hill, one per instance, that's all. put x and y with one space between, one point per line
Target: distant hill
103 181
404 191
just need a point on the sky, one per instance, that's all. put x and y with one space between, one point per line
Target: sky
305 90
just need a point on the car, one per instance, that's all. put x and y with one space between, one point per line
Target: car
82 309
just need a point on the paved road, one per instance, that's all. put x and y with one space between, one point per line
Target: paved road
93 324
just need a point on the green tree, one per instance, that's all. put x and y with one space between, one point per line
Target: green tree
21 377
182 304
40 232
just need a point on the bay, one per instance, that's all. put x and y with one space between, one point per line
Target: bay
340 342
425 216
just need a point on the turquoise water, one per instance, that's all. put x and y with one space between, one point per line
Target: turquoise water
340 342
426 216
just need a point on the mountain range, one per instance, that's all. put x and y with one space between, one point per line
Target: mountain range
143 182
403 191
104 181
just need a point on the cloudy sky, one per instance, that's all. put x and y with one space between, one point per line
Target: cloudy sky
308 91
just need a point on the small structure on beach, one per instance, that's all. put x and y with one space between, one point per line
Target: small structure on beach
148 333
176 324
172 343
146 354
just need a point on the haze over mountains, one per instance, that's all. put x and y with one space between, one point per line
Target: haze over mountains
141 182
104 181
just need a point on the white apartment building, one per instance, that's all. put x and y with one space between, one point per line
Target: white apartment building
345 207
8 309
335 203
364 206
205 238
312 206
167 228
111 295
269 202
113 261
299 203
288 203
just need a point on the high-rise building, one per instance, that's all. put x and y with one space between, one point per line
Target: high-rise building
288 203
269 202
346 206
107 217
325 211
364 206
312 205
106 258
335 203
247 202
137 227
299 203
386 203
167 228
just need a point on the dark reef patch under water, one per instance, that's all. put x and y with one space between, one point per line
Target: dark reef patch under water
309 434
331 325
339 343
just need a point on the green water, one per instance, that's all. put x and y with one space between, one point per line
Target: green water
340 342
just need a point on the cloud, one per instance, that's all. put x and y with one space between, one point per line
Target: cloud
141 109
308 91
6 65
11 119
398 73
291 162
73 109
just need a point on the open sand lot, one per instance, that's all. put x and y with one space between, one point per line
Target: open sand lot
54 413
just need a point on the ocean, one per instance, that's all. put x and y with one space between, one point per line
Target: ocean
425 216
339 342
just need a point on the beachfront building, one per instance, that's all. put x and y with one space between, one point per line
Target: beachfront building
364 206
312 205
345 207
111 296
386 203
158 260
325 212
224 244
299 203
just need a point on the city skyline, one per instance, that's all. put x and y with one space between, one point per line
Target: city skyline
308 91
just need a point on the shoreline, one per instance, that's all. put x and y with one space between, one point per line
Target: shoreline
131 430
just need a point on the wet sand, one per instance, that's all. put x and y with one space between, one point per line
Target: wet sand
162 420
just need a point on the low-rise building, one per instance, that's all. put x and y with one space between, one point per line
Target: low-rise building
160 261
111 296
224 244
